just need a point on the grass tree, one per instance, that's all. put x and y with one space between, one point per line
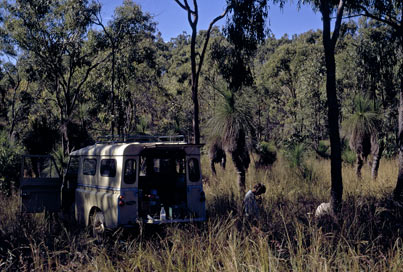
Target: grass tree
362 129
216 153
233 122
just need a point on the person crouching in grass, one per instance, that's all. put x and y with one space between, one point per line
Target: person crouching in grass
251 204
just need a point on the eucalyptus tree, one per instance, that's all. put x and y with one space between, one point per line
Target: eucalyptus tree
245 24
54 34
193 18
291 80
328 8
11 106
129 39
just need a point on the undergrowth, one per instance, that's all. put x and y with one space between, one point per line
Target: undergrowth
286 238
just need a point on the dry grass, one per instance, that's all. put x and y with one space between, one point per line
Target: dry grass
368 239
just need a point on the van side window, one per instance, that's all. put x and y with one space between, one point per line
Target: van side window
130 171
194 170
89 167
108 168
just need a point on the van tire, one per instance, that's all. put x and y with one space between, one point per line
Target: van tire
97 224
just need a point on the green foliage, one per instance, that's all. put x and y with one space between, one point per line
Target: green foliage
348 156
323 149
267 154
242 31
10 162
291 82
275 88
295 155
142 125
61 160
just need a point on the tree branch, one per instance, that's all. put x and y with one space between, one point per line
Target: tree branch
339 17
78 89
216 19
181 5
379 18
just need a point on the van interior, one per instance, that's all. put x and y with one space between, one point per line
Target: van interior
162 183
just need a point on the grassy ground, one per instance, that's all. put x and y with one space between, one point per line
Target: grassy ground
369 238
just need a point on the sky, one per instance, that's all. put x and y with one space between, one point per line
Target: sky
172 19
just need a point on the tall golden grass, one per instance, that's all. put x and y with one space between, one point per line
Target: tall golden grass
286 238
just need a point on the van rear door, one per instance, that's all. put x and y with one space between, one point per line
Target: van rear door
40 184
128 202
195 194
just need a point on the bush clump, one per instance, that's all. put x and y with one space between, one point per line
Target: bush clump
267 154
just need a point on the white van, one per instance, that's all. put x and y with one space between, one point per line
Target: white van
140 179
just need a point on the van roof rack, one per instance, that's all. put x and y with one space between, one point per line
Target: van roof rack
111 139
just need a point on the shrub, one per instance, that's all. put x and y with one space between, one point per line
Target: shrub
10 161
267 154
296 156
323 149
348 156
41 136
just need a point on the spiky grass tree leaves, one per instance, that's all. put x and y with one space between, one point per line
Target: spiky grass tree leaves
360 127
233 122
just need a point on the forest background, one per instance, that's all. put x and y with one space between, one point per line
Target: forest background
60 89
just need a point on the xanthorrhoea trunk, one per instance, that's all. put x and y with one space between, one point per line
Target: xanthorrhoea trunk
377 149
241 182
329 43
213 168
359 164
241 159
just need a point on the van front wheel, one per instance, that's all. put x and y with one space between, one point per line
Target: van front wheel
98 224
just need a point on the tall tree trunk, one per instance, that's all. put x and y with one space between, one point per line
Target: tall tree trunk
66 138
397 193
196 122
113 90
329 44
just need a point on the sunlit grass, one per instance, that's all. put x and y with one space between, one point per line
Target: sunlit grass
368 239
